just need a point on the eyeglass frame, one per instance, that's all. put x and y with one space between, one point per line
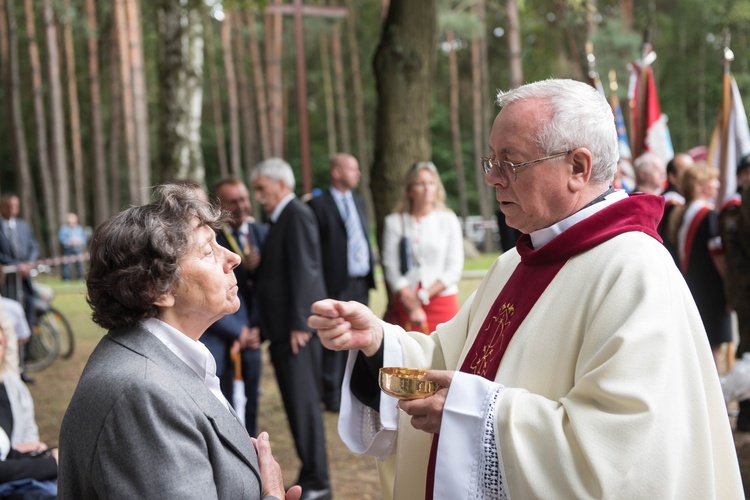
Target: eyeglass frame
515 167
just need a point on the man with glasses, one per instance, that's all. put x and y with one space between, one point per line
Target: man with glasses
579 368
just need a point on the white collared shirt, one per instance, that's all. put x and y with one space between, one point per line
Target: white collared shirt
286 200
541 237
192 353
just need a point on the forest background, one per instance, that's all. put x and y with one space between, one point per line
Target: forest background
105 98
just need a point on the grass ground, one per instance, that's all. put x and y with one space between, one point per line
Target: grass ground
353 476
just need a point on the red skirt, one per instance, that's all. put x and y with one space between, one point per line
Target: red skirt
440 309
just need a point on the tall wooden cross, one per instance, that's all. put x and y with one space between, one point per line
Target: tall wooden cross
298 9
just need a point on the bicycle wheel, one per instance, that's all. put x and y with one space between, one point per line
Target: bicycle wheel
43 346
61 325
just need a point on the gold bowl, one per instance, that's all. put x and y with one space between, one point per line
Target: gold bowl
404 383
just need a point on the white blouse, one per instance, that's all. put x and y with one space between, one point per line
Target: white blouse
437 250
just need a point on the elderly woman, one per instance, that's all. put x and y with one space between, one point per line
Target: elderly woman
426 294
148 418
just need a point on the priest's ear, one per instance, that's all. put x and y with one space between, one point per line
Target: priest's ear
582 163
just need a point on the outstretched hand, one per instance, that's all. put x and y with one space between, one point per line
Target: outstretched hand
270 472
427 414
346 325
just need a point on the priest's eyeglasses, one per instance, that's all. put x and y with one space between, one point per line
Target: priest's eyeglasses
508 171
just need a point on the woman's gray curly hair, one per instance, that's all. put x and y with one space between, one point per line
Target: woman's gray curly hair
135 255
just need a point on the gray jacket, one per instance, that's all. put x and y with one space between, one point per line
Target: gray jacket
142 424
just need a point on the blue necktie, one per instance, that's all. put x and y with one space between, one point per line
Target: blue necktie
355 237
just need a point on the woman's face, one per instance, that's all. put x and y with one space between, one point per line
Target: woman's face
207 289
423 189
709 189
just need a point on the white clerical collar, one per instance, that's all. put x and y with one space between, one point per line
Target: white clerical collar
281 206
541 237
191 352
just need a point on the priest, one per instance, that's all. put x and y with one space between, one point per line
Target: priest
578 369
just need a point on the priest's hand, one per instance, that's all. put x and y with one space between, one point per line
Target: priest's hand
427 414
346 325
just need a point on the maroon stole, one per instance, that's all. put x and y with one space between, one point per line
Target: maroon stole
690 238
638 212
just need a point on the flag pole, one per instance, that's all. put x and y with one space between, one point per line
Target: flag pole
726 107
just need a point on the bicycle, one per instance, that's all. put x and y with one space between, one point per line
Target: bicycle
52 335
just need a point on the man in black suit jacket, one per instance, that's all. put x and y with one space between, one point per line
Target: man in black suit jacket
17 246
347 256
239 330
289 280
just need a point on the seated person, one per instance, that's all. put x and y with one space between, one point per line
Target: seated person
23 455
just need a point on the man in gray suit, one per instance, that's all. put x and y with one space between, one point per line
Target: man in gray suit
148 418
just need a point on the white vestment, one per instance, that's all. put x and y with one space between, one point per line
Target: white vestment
608 389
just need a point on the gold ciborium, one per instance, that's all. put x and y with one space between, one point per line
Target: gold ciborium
404 383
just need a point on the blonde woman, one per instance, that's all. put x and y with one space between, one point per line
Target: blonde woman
693 228
426 294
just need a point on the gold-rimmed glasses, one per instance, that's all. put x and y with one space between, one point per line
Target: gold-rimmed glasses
508 171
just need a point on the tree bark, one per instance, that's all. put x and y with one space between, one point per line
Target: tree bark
57 123
514 44
480 122
342 107
140 104
180 85
404 66
75 115
458 159
259 86
363 151
247 105
116 120
213 83
98 161
235 162
325 70
126 91
11 77
274 85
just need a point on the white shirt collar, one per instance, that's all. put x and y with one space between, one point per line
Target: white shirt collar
281 206
192 353
541 237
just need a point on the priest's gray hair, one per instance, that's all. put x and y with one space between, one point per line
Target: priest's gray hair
275 169
579 117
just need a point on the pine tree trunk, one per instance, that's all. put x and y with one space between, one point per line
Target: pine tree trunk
221 141
75 115
57 122
40 116
98 161
11 77
342 107
456 126
274 85
479 124
325 70
259 86
514 44
229 73
363 151
126 90
116 121
404 66
140 104
247 105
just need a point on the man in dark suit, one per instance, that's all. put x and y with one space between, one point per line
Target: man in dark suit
347 256
239 331
289 280
17 246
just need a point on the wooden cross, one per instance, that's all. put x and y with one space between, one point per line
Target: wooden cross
298 9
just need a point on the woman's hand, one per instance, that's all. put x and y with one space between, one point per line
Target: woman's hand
427 414
270 472
417 317
346 325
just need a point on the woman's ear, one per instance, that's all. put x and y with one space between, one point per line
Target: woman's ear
582 163
165 301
